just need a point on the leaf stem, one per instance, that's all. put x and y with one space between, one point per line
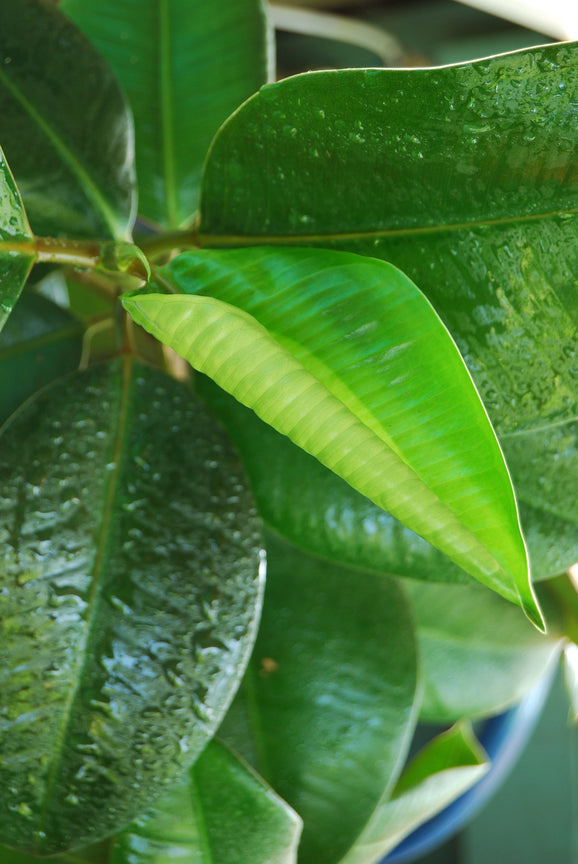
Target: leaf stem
78 253
109 256
168 242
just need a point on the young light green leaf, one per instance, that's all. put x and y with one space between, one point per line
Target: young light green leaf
220 812
477 656
124 627
15 235
321 513
325 515
66 128
327 708
185 66
345 356
446 768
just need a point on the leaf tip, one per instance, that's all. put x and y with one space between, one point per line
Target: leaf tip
532 611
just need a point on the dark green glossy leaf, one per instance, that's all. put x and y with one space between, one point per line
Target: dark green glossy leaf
15 260
221 812
345 356
185 65
464 177
477 655
98 853
325 710
66 129
445 768
40 342
130 567
544 465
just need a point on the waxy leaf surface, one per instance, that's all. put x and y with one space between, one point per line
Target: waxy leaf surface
344 355
66 128
15 259
464 177
544 465
185 66
221 812
40 342
327 707
131 559
477 656
446 768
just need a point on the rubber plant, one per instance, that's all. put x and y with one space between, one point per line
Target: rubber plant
358 384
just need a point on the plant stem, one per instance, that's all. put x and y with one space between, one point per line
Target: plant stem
109 256
77 253
162 243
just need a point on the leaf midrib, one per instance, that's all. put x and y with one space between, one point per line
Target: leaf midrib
94 599
217 240
90 189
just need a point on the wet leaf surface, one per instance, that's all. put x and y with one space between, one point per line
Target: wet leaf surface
131 583
15 263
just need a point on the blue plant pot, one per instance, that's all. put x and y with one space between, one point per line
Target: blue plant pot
503 738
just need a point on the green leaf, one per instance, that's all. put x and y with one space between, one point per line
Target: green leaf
544 466
345 356
66 129
324 515
185 65
477 656
321 513
40 342
131 582
325 711
98 853
422 152
221 812
448 766
15 259
464 177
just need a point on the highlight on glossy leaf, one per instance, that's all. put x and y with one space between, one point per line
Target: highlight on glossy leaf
66 126
16 259
344 355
